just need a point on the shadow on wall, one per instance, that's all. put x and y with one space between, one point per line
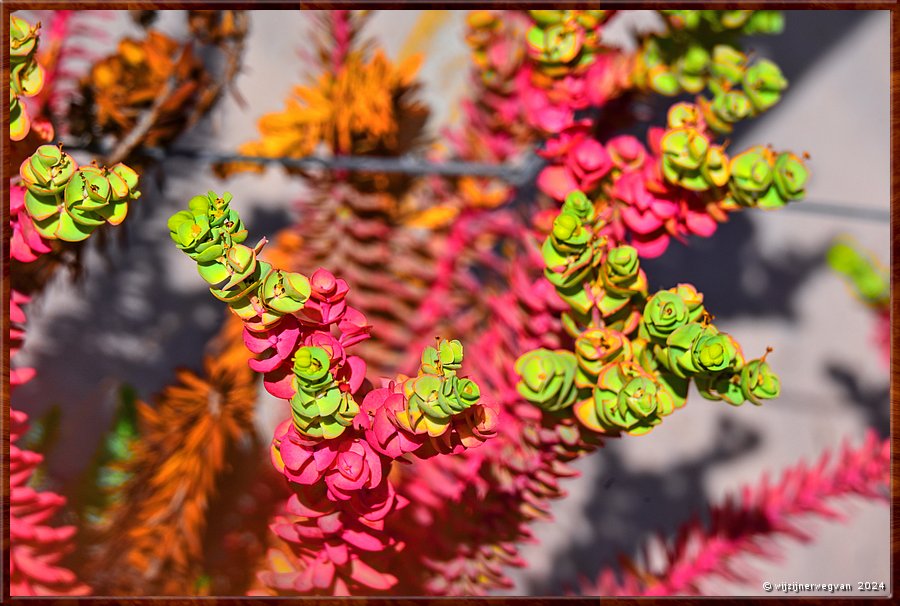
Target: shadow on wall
626 507
732 273
738 281
874 402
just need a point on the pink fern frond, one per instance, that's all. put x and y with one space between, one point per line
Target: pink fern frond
747 524
35 548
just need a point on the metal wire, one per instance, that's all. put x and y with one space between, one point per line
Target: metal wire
516 175
837 210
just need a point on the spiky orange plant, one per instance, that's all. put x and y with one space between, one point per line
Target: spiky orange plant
154 545
353 109
155 74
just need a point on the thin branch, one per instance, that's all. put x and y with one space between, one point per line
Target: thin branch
137 134
233 50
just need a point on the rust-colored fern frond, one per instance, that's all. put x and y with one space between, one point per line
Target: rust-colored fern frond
155 538
366 106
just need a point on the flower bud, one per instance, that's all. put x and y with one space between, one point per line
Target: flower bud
733 19
676 356
763 83
712 353
732 106
683 116
578 205
715 167
626 398
765 22
324 415
240 261
758 382
621 273
311 369
597 347
451 355
684 151
23 38
554 44
285 292
664 312
663 81
691 69
752 173
692 298
728 64
567 252
48 170
187 230
723 386
790 177
547 378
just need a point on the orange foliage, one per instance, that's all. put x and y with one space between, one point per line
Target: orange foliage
215 27
357 110
155 542
119 88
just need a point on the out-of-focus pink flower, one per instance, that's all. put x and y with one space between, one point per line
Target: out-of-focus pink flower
539 110
377 418
35 548
347 464
626 152
639 206
608 77
581 164
26 244
17 376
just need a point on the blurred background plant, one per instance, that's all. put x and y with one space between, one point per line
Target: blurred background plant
436 233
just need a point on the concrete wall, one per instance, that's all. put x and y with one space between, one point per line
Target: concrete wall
763 275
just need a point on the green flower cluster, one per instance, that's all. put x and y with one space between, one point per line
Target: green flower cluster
739 90
765 179
212 234
746 22
437 393
689 159
685 345
691 58
634 355
758 177
69 203
587 276
26 76
870 280
564 40
625 398
548 378
319 408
